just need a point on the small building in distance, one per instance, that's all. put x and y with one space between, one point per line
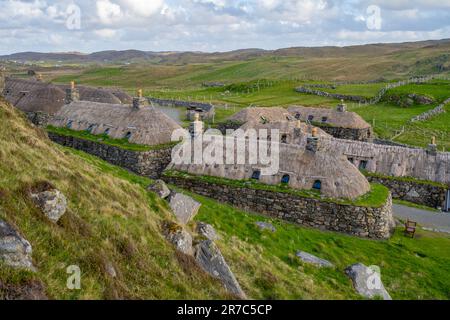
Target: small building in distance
338 122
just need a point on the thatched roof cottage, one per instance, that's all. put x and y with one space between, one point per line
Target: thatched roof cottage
38 96
137 123
304 167
338 122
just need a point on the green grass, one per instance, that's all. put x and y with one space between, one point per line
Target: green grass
414 205
375 198
105 139
266 266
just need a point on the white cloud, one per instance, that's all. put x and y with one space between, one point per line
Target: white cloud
106 33
144 8
108 12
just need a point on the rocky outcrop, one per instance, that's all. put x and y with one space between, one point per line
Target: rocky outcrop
207 231
367 281
160 188
52 203
311 259
265 226
15 251
184 207
180 238
210 259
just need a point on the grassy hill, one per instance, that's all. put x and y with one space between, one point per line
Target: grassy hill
111 220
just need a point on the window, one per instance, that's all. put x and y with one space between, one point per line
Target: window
128 135
298 116
285 179
284 138
317 185
310 118
324 119
69 124
89 129
107 131
256 175
363 164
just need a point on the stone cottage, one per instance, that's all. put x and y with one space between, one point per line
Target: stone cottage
138 123
337 122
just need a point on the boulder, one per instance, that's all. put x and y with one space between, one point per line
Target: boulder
160 188
367 281
265 226
311 259
184 207
52 203
207 231
180 238
210 259
15 251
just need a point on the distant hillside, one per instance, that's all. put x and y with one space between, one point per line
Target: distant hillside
194 57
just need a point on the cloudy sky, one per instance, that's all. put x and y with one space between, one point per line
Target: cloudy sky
214 25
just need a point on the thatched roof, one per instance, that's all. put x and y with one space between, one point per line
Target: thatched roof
290 128
258 114
145 125
33 96
50 97
333 117
338 177
124 97
95 94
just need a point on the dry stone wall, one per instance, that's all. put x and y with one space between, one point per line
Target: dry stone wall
354 220
146 163
420 193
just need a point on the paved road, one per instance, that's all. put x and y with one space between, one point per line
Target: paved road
430 219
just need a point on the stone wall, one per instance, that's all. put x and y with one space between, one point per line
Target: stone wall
331 95
431 113
415 192
347 133
354 220
146 163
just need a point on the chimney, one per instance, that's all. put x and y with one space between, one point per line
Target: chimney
312 142
342 107
196 127
139 101
432 147
298 129
39 77
72 93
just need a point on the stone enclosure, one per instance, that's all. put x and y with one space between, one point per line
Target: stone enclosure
354 220
146 163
